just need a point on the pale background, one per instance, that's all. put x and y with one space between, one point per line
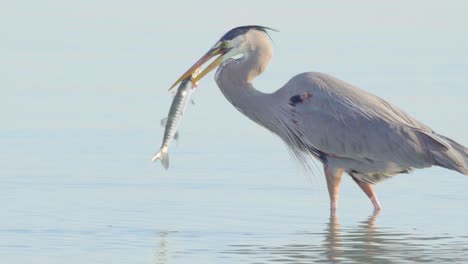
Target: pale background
83 87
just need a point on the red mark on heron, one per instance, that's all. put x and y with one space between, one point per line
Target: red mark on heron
300 98
306 96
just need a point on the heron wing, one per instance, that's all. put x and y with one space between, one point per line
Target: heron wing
344 121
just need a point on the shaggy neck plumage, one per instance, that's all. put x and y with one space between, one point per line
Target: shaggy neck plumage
235 77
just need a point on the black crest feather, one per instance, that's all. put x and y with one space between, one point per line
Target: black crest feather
235 32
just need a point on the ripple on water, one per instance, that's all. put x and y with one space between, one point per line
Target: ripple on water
364 243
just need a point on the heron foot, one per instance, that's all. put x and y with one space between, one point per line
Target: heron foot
333 211
376 203
369 190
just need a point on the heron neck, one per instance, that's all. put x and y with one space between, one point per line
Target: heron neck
234 79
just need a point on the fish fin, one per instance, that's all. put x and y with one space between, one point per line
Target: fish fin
163 156
176 136
164 122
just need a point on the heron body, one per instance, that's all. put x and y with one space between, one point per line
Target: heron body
321 117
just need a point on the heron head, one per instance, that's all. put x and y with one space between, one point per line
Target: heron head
233 43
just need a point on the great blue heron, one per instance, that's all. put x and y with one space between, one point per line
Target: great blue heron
318 116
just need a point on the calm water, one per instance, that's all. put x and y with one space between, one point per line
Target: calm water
84 86
79 197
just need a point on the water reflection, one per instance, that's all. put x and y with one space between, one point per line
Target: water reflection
361 241
162 250
364 243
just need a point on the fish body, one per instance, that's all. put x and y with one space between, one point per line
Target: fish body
179 104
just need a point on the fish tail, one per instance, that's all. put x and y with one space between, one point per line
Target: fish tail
163 156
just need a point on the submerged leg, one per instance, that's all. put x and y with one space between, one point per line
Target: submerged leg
370 192
333 177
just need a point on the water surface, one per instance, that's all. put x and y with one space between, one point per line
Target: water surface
210 207
84 86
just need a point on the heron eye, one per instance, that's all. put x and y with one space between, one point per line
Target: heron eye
224 44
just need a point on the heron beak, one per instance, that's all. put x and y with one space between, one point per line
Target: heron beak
210 54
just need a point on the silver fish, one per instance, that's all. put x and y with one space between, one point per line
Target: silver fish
171 123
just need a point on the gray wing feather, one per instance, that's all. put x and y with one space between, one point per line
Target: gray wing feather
350 123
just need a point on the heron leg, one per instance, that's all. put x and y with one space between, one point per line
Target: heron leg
333 177
369 190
